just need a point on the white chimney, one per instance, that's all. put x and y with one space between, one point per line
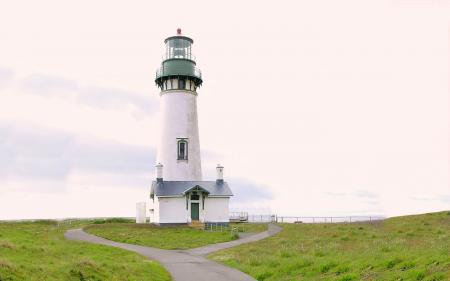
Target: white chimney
159 172
219 170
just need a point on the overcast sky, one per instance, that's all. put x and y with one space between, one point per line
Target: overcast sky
313 107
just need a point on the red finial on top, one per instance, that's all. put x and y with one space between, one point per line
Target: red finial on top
179 31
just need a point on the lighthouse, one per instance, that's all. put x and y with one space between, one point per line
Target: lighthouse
178 194
178 78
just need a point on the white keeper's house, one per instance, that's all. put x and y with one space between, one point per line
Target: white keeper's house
179 195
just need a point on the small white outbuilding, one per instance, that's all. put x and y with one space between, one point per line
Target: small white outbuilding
141 212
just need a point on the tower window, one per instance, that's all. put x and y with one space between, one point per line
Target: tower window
182 149
181 84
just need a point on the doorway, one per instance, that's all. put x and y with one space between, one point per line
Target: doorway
195 211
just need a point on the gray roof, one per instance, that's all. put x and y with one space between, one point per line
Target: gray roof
179 188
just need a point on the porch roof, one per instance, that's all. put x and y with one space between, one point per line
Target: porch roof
180 188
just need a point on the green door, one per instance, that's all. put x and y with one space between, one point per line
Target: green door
194 211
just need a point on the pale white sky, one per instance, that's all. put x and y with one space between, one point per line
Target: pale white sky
313 107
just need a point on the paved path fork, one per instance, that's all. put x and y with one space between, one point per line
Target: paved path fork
184 265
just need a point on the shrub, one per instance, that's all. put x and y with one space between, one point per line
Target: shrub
46 222
119 220
113 220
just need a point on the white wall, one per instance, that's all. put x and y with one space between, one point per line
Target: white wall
155 205
216 209
171 210
179 120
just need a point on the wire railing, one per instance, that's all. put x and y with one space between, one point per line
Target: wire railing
330 219
196 72
245 217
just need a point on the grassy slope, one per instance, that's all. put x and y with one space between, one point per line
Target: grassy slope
402 248
179 237
38 251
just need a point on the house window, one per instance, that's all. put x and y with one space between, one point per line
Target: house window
195 197
182 149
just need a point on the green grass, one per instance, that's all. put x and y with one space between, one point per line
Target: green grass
166 237
250 227
39 251
401 248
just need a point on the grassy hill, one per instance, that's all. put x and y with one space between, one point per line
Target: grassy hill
38 251
401 248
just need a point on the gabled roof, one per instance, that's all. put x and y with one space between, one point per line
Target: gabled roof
196 188
180 188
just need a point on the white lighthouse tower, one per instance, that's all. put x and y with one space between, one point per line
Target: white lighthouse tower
178 78
179 195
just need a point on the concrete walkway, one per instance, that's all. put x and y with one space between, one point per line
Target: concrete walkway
186 265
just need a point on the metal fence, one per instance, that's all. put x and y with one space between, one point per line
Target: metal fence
240 216
331 219
261 218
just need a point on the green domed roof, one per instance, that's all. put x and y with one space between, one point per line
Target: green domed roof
178 60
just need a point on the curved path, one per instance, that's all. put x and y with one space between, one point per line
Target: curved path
184 265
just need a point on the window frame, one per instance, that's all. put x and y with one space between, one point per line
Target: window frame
186 149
